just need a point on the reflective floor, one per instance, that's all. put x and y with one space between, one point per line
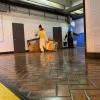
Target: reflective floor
61 75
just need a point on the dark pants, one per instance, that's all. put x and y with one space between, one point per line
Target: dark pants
70 42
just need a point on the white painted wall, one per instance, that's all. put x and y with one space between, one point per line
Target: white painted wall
79 26
6 35
64 32
30 28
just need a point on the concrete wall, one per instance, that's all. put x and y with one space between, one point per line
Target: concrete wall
30 28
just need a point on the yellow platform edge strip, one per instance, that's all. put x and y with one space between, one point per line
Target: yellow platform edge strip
6 94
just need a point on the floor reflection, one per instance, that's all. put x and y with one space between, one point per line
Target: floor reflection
20 66
57 75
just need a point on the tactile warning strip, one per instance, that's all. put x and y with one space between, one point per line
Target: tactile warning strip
6 94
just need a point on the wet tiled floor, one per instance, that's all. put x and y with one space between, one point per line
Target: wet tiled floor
61 75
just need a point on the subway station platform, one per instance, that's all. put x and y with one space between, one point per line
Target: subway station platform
61 75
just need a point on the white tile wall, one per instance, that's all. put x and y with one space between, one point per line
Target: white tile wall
92 8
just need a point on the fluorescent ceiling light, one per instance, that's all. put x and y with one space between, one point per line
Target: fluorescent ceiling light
66 8
73 13
76 2
80 11
44 3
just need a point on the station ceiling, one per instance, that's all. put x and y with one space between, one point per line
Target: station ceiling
64 7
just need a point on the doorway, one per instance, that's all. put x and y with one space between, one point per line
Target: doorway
57 36
18 37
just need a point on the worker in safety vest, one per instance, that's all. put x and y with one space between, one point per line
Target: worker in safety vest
43 38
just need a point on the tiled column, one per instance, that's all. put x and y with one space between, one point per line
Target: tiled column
92 21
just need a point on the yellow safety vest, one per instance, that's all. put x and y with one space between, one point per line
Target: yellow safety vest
42 34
